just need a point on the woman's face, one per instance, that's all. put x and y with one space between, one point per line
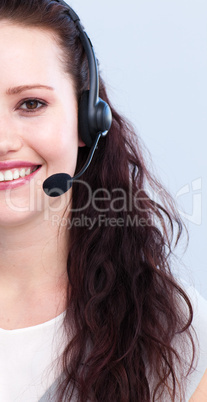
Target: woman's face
38 121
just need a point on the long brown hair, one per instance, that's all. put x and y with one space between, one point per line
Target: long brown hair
127 311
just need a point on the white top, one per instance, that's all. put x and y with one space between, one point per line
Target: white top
25 360
26 354
200 325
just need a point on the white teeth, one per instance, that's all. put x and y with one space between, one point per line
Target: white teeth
22 172
9 175
16 174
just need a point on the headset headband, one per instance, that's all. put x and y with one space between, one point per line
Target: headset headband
94 114
97 111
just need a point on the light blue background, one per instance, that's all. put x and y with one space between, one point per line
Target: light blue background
153 57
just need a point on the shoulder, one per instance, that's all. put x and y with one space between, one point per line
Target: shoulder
199 324
199 304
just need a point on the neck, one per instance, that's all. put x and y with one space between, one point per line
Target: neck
33 268
33 250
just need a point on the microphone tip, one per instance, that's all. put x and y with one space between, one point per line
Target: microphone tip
57 184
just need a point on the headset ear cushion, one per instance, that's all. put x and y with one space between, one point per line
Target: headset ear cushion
83 125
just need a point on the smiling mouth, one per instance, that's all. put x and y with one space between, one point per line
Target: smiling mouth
17 173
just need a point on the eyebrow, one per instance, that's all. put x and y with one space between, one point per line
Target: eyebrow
21 88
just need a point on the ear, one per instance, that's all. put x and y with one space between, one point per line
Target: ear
81 143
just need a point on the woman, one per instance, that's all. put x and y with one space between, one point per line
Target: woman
89 307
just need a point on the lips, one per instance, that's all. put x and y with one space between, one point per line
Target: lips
16 173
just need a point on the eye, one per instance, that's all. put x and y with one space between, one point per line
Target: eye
31 105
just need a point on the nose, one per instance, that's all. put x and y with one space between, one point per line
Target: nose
10 141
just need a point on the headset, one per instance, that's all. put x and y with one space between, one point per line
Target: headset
94 114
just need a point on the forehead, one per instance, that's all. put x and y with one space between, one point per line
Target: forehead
29 51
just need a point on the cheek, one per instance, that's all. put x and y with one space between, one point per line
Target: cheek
59 142
56 142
